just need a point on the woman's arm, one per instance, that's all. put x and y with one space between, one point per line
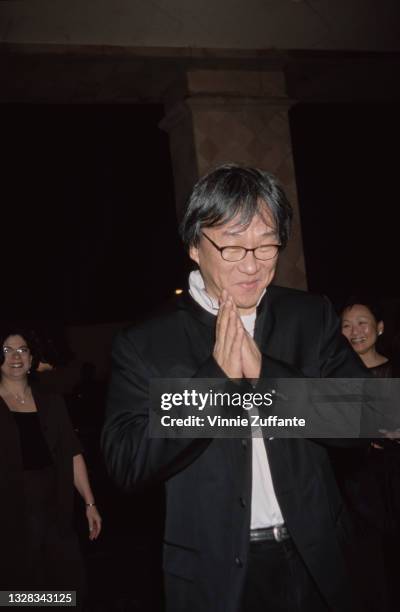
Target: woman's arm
81 482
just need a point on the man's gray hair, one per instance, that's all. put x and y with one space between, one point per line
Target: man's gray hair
231 191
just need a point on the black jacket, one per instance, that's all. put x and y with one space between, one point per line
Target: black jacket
63 445
208 482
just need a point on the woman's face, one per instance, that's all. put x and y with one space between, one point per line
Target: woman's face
17 358
361 328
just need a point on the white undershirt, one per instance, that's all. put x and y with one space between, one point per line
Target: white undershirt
265 510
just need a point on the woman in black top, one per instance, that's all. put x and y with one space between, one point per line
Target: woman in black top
40 461
373 483
362 325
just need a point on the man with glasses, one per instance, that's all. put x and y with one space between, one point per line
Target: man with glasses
252 524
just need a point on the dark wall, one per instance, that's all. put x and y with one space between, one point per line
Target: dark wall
89 227
347 176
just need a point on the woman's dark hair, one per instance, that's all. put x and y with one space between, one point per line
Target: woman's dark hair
230 191
28 336
372 306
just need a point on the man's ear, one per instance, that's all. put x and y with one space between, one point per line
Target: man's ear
194 254
380 327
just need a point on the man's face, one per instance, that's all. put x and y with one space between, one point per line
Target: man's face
244 280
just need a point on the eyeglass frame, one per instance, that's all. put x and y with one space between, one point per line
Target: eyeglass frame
244 249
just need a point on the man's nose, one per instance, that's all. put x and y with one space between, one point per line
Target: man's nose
249 263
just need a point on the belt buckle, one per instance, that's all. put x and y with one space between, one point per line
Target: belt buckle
277 530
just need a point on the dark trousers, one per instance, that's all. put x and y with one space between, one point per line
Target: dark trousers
278 581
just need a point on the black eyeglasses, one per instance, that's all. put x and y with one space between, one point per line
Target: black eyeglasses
237 253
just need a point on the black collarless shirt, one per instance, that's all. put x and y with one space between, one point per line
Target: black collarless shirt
34 449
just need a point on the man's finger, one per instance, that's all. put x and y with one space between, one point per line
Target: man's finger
230 335
222 324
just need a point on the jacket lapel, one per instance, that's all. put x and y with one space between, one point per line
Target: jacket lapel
47 424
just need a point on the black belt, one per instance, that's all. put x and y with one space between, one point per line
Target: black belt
279 533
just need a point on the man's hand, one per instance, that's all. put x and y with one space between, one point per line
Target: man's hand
251 357
235 351
229 338
250 353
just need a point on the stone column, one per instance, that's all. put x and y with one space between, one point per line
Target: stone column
242 117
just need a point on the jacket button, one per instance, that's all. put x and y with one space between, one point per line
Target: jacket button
242 502
244 443
238 562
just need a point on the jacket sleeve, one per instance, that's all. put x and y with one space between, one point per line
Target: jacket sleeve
132 457
334 359
71 444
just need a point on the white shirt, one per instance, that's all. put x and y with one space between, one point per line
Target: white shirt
265 510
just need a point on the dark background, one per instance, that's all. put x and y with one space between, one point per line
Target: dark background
89 227
89 235
347 179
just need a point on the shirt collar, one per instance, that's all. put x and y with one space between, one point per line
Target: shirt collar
198 292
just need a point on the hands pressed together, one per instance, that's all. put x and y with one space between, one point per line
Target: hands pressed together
235 351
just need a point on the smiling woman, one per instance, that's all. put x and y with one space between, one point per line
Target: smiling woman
362 325
40 461
371 483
